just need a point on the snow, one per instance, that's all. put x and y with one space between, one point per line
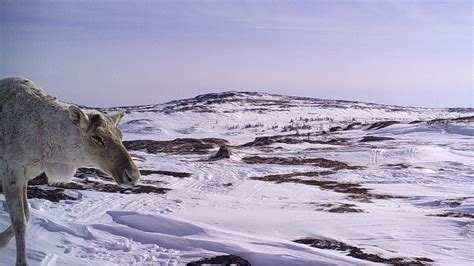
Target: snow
257 220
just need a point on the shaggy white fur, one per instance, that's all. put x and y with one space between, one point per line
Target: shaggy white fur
36 132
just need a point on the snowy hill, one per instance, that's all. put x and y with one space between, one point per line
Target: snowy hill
307 182
244 115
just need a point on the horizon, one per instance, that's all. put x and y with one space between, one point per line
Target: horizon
96 53
274 94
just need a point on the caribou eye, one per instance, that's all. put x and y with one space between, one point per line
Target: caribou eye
97 139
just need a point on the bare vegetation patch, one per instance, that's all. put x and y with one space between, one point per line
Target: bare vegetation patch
355 191
344 208
383 124
450 203
168 173
374 138
178 146
353 126
337 207
317 162
454 214
463 119
359 253
292 139
397 166
39 188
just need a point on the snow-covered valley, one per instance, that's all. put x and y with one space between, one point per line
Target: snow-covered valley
307 182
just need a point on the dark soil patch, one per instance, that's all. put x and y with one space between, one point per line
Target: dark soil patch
374 138
318 162
397 166
450 203
334 129
88 184
178 146
139 121
360 253
37 189
151 182
454 214
92 172
355 191
383 124
353 125
51 194
221 260
84 172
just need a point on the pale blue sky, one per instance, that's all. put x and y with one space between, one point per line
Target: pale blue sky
106 53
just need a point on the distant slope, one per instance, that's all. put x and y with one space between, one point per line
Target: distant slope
240 116
251 101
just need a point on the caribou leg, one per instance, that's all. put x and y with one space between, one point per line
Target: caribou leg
8 234
14 195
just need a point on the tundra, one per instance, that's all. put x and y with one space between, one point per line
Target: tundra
39 134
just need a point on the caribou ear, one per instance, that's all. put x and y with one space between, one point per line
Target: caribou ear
117 118
78 117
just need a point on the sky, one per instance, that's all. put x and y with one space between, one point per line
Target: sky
109 53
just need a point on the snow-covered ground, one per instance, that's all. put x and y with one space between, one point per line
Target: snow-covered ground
418 200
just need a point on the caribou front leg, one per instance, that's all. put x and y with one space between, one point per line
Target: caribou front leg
8 234
26 206
15 195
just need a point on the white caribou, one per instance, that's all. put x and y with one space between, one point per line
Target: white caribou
40 134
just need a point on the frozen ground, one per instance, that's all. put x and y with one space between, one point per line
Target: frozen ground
410 196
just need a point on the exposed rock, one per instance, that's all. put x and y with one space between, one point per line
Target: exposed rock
221 260
223 153
334 129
